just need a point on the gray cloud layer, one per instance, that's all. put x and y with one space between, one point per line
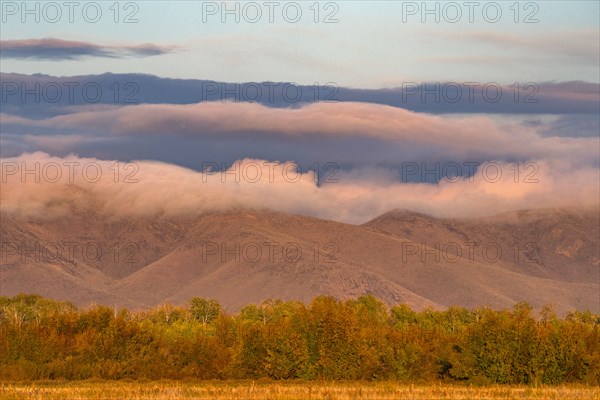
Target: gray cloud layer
537 98
58 49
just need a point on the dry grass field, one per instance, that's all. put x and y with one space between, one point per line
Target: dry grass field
245 390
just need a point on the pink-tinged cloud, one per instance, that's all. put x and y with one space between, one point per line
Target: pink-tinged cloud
456 137
155 188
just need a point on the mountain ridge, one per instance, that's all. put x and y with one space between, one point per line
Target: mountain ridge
247 256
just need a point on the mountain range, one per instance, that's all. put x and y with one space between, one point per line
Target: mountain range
541 256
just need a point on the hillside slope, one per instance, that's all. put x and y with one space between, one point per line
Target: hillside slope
244 256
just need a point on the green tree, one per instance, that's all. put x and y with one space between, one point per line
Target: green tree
204 310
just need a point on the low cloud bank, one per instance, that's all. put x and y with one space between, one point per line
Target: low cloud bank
37 185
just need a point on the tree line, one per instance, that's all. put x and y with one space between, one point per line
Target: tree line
325 339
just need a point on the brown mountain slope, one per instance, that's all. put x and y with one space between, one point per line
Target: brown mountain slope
31 263
240 257
560 244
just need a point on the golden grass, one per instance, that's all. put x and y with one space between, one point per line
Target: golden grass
244 390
